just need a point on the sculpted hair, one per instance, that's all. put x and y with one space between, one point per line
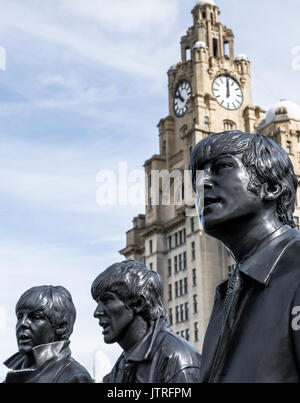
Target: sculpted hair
265 160
129 280
55 302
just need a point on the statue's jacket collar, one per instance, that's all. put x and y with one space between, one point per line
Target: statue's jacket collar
261 262
46 356
142 351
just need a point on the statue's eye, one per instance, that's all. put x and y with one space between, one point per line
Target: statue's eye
37 315
222 165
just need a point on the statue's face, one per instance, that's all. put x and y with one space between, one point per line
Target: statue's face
114 317
227 199
33 329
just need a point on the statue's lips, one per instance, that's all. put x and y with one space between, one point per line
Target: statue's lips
23 338
105 326
208 201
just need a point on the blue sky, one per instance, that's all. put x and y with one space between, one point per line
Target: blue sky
84 88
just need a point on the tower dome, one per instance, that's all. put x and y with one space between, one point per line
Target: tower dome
204 2
200 45
241 56
287 108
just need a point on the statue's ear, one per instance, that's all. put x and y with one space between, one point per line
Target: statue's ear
139 305
61 329
271 193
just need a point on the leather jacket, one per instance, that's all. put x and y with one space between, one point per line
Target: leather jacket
161 357
264 343
53 364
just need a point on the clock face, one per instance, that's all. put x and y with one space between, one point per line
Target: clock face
228 92
182 95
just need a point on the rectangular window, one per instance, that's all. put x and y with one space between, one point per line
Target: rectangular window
180 262
215 47
180 288
184 236
289 147
175 264
169 267
187 334
164 147
226 49
206 122
170 292
181 313
151 246
184 260
180 238
196 331
194 277
185 285
195 304
186 309
170 242
151 266
176 289
176 240
192 224
177 314
193 251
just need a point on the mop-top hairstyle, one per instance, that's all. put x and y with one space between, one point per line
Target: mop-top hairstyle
129 280
265 161
56 304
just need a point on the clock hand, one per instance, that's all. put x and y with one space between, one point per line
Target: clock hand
180 96
228 88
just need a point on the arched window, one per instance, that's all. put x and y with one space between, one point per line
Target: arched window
228 126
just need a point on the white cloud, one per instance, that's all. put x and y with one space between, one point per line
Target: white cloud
102 36
130 16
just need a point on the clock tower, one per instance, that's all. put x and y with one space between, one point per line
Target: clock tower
218 95
209 91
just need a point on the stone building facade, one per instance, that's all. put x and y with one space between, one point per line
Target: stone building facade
209 92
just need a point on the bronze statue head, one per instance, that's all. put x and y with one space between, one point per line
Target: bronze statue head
267 164
125 292
45 314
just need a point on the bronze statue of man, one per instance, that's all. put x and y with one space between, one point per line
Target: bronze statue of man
131 312
249 190
45 320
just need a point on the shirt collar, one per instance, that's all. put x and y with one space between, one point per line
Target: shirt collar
260 264
143 349
41 354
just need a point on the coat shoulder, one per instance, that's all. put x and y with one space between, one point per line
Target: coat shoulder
177 347
73 372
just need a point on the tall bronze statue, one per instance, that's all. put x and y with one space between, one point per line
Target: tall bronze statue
249 190
131 312
45 320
